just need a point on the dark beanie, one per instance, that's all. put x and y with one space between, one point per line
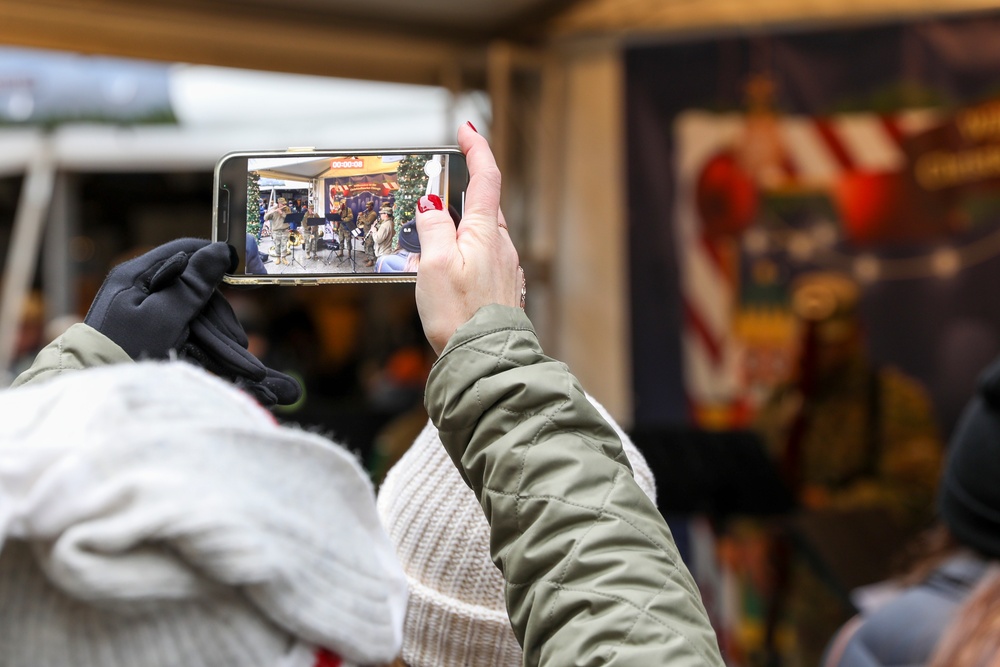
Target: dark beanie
969 498
408 238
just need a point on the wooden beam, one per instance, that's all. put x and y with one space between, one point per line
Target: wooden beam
678 17
252 39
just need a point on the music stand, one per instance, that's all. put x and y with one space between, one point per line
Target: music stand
294 219
352 235
314 222
717 473
725 474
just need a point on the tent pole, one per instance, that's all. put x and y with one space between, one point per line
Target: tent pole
22 257
58 273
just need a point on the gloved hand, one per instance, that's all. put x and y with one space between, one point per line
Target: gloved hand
219 344
146 304
166 300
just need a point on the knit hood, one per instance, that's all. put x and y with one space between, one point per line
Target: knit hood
152 514
457 614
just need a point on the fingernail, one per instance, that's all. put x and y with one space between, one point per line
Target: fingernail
469 123
430 202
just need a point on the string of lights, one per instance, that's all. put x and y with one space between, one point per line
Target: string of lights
818 246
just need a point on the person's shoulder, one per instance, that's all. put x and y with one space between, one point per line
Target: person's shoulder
958 575
903 631
390 263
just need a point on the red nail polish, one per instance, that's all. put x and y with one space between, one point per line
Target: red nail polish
469 123
429 202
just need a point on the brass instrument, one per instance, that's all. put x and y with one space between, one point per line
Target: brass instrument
294 239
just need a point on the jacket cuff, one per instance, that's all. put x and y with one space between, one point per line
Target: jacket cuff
496 338
489 320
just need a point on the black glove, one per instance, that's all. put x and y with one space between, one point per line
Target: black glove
219 344
146 304
167 300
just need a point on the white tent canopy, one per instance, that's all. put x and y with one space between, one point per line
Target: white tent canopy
219 111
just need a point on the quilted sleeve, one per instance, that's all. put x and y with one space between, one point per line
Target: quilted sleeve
593 576
79 347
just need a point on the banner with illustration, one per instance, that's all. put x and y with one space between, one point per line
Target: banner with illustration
874 152
357 191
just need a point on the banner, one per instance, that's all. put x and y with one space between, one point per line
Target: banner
871 152
874 152
359 190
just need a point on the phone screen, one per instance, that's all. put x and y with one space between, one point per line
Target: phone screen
328 216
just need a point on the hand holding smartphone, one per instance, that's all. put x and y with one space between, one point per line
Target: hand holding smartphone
303 217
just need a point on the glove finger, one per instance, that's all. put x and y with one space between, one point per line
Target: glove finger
223 355
187 295
285 388
220 313
260 393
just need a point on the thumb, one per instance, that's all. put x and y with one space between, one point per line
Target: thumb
213 261
435 228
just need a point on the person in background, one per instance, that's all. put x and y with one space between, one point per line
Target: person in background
311 233
383 231
280 229
972 638
846 435
406 258
254 263
366 219
946 610
845 431
344 227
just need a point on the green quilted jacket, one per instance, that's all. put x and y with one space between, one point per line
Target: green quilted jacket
79 347
593 576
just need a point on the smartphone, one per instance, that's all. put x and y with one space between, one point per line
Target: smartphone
307 216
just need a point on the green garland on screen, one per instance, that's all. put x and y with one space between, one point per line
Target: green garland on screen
412 186
253 204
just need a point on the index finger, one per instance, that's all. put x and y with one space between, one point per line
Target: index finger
193 288
482 196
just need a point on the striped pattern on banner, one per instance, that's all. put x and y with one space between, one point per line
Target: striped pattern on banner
817 151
